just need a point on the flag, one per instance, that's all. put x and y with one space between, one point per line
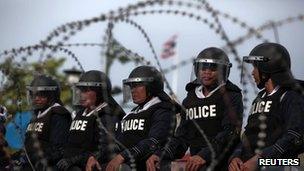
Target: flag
169 47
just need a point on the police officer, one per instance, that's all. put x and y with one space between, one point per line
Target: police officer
3 116
213 106
4 157
275 122
47 131
148 125
99 109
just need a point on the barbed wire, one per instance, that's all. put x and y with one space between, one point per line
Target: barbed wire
14 52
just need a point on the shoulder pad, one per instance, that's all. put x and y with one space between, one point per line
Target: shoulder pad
112 110
232 87
301 83
191 85
173 106
60 110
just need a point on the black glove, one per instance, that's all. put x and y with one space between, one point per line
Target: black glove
19 158
66 163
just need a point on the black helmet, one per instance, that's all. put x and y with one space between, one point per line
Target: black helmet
213 58
45 86
274 63
149 76
96 81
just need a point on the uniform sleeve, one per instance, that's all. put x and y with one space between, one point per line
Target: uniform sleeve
228 138
158 134
292 138
237 152
60 124
178 144
100 139
104 130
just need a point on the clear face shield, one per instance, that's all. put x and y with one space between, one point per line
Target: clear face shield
211 64
129 83
80 87
41 91
248 64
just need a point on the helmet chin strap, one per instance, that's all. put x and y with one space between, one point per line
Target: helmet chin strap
263 79
149 97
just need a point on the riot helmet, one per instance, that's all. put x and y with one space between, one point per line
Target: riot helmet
148 76
43 86
93 80
272 61
214 59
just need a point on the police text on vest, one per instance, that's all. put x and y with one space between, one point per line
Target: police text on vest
201 112
79 125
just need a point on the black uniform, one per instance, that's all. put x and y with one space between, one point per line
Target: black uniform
283 113
145 129
85 135
218 116
51 127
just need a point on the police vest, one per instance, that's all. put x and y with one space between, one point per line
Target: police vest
41 127
266 108
84 132
207 113
136 126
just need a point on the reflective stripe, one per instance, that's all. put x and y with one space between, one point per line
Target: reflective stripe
250 59
90 84
97 109
41 114
138 79
42 88
221 62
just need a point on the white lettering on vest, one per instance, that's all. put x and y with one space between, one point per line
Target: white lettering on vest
261 107
132 124
79 125
37 127
203 112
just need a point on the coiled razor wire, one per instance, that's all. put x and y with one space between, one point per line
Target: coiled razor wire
79 25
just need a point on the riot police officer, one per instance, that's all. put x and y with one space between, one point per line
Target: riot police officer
99 111
275 122
213 106
3 116
47 131
4 157
148 125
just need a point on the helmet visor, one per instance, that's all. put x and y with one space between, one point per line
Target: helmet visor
76 95
41 91
129 83
79 87
249 62
211 64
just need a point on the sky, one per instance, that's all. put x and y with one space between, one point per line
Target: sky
24 23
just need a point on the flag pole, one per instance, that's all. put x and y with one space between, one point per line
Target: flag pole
175 73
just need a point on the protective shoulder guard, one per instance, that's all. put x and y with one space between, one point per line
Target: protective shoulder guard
171 106
301 83
191 85
60 110
232 87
